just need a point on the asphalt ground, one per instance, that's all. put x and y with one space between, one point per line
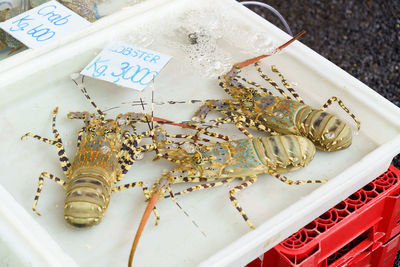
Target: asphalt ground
361 37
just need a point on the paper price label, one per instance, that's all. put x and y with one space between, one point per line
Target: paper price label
43 24
126 65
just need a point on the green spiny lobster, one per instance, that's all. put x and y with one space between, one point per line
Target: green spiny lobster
283 115
240 159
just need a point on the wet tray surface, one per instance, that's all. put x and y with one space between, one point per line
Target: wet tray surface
227 33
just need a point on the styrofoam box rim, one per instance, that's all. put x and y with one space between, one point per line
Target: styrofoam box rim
38 245
125 13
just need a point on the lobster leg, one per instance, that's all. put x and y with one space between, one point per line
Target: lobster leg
341 104
145 191
47 141
189 125
202 186
259 86
215 105
130 152
286 180
231 118
192 137
235 203
79 115
240 120
126 161
79 139
132 185
40 185
270 81
243 130
169 150
259 126
65 164
287 85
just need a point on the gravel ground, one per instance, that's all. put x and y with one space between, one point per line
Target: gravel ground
361 37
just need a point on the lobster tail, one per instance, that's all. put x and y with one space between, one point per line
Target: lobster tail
86 200
325 130
283 153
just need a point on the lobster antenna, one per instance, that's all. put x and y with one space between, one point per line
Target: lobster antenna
158 189
147 119
187 214
255 59
81 86
108 109
152 103
145 217
135 102
152 203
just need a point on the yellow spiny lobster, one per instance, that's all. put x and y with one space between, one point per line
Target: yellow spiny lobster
240 159
104 155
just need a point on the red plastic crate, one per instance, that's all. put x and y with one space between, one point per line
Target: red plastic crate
361 230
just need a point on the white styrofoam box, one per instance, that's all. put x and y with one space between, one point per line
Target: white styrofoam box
31 90
109 11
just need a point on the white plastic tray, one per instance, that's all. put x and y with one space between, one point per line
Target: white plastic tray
31 91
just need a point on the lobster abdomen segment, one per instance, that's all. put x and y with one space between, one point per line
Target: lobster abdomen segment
328 132
284 153
87 197
248 157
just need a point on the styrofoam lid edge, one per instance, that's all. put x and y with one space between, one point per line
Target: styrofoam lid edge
123 14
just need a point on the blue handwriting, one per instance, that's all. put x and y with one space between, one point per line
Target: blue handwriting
136 53
136 74
99 68
40 32
56 19
21 24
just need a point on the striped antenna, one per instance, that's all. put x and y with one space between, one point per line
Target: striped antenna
172 102
81 86
187 214
152 103
147 119
134 103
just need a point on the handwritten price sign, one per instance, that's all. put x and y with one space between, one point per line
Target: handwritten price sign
44 24
126 65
